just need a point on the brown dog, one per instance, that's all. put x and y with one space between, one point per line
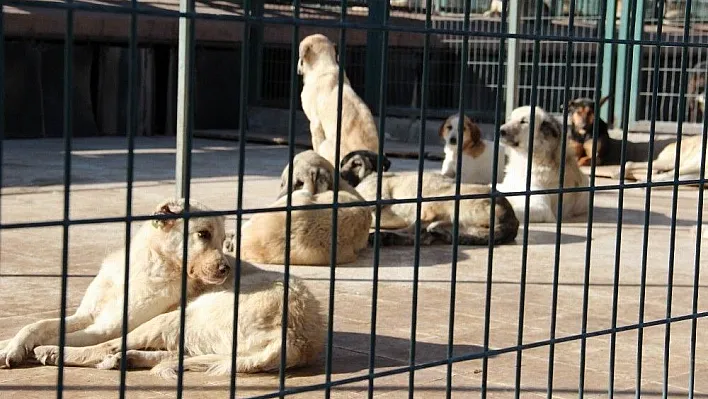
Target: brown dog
477 153
318 65
582 120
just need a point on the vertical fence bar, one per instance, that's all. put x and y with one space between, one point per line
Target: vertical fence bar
697 261
683 81
525 245
186 36
294 55
647 195
378 9
600 80
419 195
628 56
68 132
383 51
335 204
243 107
494 192
132 127
458 178
2 102
513 55
184 154
637 65
561 183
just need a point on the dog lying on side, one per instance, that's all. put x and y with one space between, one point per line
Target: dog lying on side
320 70
360 168
263 236
209 331
477 153
545 167
663 166
154 283
582 119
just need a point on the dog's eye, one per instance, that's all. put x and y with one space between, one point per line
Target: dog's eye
204 234
356 163
298 185
448 127
524 121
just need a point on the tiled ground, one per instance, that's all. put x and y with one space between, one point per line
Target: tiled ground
30 259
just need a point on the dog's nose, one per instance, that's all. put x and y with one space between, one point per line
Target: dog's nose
503 132
223 268
453 140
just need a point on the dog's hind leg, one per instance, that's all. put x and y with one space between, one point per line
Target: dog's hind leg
39 333
212 364
136 359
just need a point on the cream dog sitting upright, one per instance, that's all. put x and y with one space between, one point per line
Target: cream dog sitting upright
545 167
360 168
318 65
154 283
477 153
263 236
209 331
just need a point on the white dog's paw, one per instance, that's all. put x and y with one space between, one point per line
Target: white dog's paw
47 355
110 362
165 370
229 243
12 355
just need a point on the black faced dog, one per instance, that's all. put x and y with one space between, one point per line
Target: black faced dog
581 112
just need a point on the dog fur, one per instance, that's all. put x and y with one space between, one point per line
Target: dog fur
209 331
314 174
263 236
663 166
154 283
581 120
477 153
545 167
320 70
437 216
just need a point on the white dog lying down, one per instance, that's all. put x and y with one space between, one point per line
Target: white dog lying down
663 167
155 283
209 331
545 167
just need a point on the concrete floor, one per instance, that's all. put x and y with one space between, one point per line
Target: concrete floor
30 289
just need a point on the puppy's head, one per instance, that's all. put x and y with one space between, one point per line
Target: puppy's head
311 172
471 135
205 258
315 50
582 112
515 133
356 165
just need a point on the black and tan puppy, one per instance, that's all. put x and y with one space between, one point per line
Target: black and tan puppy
581 121
398 220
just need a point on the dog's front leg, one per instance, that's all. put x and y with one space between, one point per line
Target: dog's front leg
162 332
318 134
41 332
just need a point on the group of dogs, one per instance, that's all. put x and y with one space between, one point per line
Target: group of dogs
93 332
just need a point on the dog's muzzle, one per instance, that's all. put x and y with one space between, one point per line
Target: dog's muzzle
507 137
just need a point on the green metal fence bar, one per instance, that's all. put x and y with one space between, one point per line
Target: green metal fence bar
68 132
131 123
674 199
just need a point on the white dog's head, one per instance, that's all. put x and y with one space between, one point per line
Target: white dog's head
515 132
311 172
205 258
315 50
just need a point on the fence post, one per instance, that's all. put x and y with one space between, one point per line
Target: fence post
513 58
184 66
377 14
609 62
622 55
255 47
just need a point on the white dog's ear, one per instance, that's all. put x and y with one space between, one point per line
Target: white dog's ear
166 224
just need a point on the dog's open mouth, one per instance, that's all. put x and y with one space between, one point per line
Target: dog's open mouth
508 141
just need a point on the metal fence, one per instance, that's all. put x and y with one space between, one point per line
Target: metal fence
571 59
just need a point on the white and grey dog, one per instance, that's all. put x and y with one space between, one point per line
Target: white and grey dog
545 166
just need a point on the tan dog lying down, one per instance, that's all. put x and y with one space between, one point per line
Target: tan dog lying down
360 167
263 236
320 70
154 283
209 331
689 166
